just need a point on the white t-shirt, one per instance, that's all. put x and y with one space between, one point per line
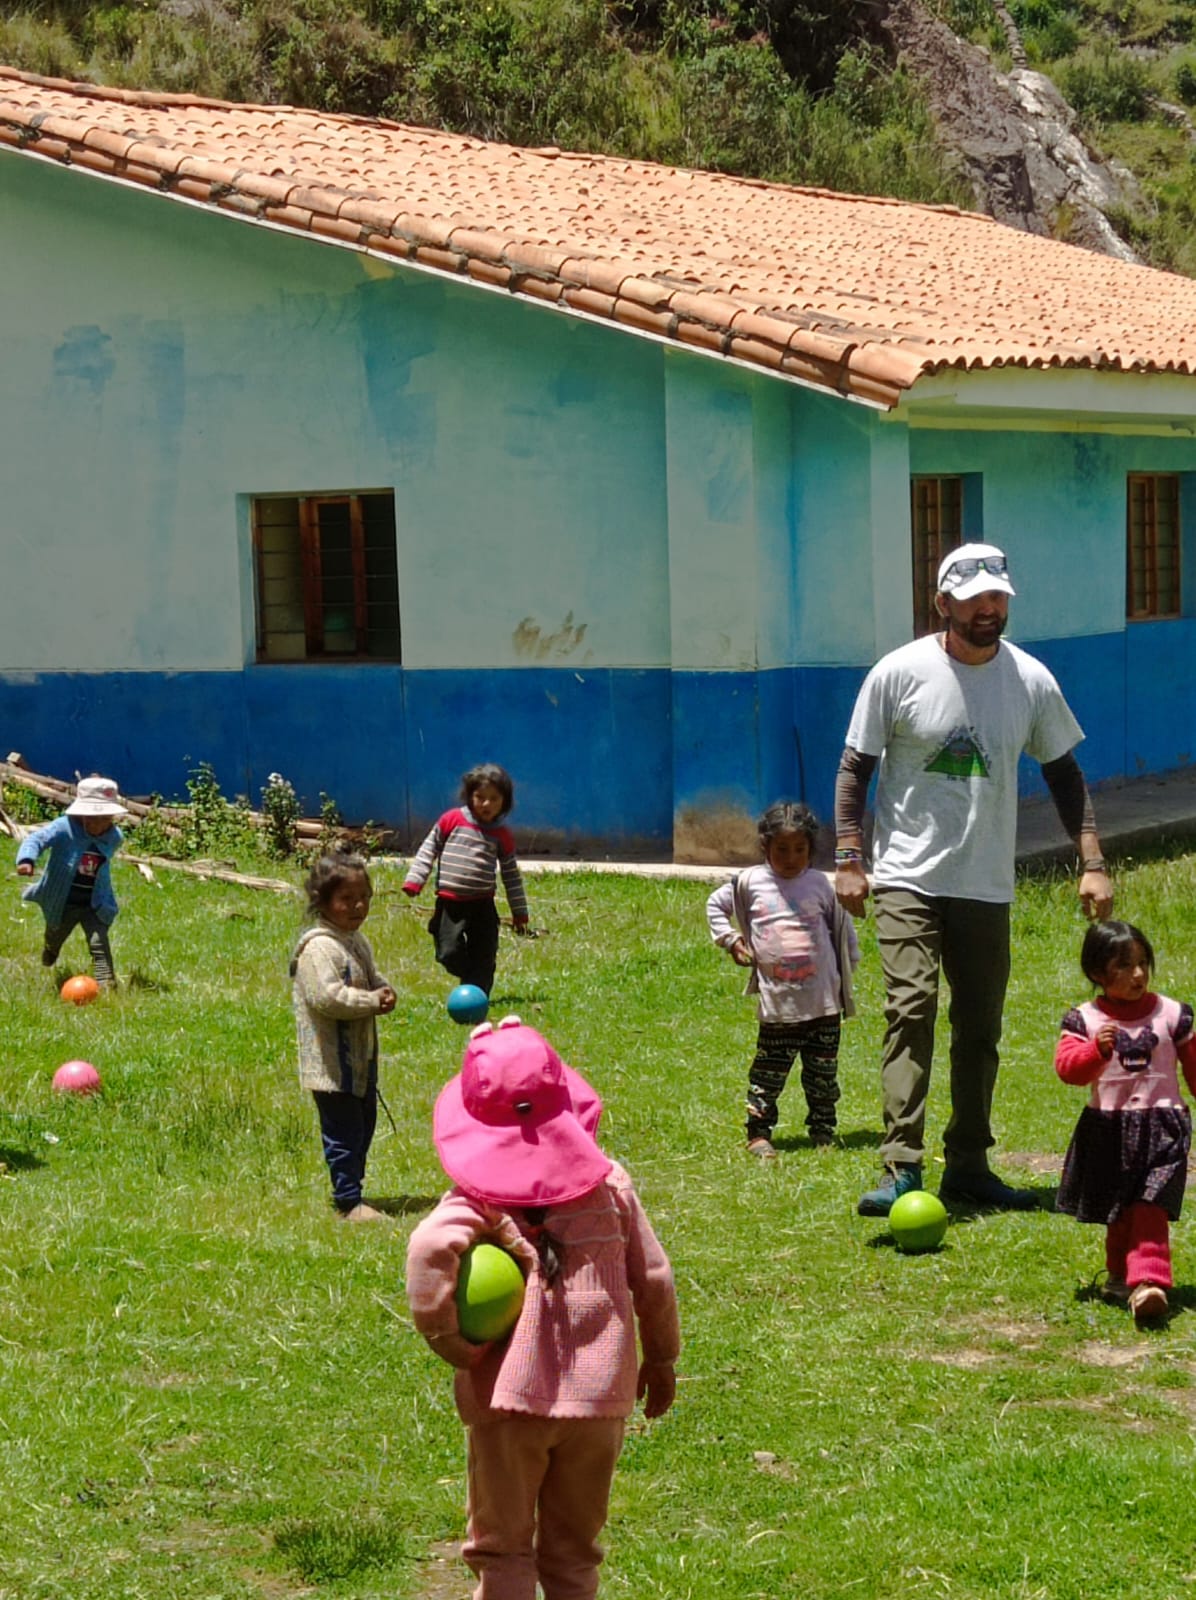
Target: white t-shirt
949 736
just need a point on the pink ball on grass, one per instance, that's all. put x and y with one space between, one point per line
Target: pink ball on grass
76 1077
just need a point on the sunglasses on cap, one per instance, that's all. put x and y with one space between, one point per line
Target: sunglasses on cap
969 566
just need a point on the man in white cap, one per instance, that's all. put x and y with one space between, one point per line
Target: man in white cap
946 718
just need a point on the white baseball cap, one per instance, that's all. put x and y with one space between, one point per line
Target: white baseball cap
96 797
974 569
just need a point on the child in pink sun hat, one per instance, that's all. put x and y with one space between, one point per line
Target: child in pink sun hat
545 1408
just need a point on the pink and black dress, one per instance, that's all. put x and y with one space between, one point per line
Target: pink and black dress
1131 1143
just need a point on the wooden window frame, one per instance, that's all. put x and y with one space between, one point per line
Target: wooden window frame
313 580
931 538
1147 607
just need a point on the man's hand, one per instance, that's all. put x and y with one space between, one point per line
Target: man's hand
1096 896
25 869
851 887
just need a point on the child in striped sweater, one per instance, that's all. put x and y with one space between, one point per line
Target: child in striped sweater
470 845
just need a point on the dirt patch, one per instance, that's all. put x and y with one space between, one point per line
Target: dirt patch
445 1575
995 1327
1098 1354
967 1360
1042 1166
714 837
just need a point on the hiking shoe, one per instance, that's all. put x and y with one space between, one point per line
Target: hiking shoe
1148 1301
985 1189
898 1180
763 1149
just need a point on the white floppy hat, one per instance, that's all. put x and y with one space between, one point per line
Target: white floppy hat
974 569
96 797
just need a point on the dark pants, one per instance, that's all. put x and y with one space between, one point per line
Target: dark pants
347 1128
466 935
970 940
777 1047
97 941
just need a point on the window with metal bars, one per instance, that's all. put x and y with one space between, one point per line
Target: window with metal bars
936 520
1152 546
327 577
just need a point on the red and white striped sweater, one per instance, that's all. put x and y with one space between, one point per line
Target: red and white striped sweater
469 855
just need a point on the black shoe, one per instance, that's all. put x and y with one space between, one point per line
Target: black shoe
987 1190
48 956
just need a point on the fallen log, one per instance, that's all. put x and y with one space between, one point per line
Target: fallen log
307 829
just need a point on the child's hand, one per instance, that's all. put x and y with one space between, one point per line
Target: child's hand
656 1386
24 869
521 928
1106 1038
458 1351
387 998
741 955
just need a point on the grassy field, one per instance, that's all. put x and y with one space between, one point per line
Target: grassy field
210 1389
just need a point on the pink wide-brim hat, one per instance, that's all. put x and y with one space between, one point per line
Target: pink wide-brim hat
515 1126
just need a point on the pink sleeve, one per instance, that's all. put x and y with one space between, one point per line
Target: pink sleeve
434 1257
650 1277
1077 1060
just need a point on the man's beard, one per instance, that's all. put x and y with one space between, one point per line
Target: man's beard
977 632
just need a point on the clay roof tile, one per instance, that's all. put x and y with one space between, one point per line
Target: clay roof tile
862 295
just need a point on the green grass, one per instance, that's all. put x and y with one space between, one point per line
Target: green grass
210 1389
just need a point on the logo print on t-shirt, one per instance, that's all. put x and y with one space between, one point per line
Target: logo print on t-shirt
960 756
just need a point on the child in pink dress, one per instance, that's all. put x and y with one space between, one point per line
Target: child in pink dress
1127 1162
545 1408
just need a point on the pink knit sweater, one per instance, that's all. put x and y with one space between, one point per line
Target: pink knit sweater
573 1351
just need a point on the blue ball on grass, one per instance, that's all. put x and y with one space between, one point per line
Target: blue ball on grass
467 1004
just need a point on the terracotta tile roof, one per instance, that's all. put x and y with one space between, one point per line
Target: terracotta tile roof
860 296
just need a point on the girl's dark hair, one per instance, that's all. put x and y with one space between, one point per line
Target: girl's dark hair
328 873
786 816
1105 942
488 772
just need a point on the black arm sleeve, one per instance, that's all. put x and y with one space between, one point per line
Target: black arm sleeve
851 790
1070 794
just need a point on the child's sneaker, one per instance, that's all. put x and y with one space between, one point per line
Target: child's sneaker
1148 1301
763 1149
1116 1291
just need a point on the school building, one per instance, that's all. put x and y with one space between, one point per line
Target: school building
361 452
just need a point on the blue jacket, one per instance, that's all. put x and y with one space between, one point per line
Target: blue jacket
67 840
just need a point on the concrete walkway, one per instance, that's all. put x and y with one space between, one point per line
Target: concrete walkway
1128 816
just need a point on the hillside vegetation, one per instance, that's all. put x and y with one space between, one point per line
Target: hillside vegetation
796 91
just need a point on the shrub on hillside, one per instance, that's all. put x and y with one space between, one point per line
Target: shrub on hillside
1106 85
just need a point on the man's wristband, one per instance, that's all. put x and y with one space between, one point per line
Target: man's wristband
1093 864
848 855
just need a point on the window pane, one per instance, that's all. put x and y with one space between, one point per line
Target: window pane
1153 542
936 506
280 580
326 571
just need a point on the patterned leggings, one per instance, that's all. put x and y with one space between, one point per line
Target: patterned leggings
777 1047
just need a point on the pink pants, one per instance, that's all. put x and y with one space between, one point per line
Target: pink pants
538 1494
1138 1246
